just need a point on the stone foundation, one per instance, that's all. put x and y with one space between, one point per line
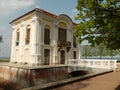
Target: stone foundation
28 76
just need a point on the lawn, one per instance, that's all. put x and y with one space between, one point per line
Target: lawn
4 60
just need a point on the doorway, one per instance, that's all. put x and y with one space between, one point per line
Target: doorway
62 57
46 57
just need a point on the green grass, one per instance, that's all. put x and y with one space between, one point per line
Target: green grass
4 60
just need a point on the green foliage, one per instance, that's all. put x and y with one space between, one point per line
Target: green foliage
99 22
0 38
4 60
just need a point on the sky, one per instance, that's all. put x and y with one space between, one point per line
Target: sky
11 9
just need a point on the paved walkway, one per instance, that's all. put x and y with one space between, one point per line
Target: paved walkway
109 81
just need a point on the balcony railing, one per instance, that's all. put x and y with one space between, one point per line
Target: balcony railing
66 44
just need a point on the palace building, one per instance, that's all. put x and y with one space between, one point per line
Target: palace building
42 38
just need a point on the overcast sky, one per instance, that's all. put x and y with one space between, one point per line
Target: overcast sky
11 9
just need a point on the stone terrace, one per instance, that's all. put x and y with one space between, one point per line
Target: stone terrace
109 81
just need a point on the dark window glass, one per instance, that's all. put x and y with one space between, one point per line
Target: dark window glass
74 42
17 38
47 36
46 57
74 55
62 57
27 41
62 34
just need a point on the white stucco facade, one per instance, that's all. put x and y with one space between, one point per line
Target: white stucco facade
31 47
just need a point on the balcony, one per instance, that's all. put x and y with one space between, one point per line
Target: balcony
66 44
47 41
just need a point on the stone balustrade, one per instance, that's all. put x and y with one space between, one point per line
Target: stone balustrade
95 63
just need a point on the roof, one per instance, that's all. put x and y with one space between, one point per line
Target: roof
42 11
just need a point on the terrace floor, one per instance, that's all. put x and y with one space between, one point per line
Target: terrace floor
109 81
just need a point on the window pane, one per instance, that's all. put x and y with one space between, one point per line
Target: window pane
28 36
74 42
47 36
74 55
17 38
62 34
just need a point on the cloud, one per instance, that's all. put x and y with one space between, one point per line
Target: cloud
9 6
74 12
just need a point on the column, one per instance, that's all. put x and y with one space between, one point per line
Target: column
79 51
54 43
13 46
39 40
69 38
36 41
22 29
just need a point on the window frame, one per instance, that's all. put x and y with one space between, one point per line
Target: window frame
27 36
17 42
47 35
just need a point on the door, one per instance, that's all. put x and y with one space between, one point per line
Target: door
62 57
46 57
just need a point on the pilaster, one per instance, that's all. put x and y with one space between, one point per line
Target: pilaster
21 44
13 46
36 41
54 43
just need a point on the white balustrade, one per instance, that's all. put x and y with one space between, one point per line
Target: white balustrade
96 63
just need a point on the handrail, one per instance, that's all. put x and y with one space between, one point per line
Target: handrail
97 63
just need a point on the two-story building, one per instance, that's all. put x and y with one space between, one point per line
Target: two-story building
42 38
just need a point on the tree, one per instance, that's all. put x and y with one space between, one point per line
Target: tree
0 38
99 22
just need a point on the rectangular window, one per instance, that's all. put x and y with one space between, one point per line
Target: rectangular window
74 55
47 36
62 35
17 38
27 36
74 42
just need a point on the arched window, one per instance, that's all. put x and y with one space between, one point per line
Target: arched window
27 38
47 35
17 37
62 32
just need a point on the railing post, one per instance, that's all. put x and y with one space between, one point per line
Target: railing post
93 63
115 63
101 63
109 63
